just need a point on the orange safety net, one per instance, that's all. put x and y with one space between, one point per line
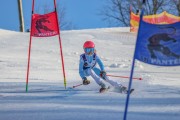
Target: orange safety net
162 18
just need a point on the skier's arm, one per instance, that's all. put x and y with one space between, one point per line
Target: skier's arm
100 63
81 71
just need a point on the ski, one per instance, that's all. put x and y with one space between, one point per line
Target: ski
130 91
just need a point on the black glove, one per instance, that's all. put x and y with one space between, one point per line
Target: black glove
85 81
103 74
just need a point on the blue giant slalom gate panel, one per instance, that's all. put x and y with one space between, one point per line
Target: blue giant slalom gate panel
158 44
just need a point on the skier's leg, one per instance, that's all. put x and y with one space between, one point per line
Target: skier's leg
119 87
106 78
98 80
97 71
113 83
116 85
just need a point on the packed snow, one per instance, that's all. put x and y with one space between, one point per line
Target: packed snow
156 97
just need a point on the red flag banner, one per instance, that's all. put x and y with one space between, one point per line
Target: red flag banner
44 25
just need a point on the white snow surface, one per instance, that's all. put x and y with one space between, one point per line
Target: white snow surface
156 97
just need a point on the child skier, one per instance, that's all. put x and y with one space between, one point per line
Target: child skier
87 67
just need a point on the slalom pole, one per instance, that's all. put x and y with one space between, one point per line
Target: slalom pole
124 77
77 85
132 70
60 43
129 88
28 66
29 51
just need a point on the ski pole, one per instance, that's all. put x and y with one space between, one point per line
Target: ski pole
124 77
77 85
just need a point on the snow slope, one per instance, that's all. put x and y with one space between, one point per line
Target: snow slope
156 97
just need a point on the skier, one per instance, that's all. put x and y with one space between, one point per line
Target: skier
87 67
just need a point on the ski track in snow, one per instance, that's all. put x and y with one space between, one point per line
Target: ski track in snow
156 97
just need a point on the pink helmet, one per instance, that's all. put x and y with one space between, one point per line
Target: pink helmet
89 44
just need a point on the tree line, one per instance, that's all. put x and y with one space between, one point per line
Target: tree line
118 11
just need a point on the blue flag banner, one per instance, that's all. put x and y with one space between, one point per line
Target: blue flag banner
158 44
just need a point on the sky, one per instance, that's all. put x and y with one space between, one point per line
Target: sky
83 14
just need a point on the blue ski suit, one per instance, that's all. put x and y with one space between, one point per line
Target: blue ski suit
90 62
88 67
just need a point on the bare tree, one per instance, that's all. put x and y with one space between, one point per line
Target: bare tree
155 6
151 6
64 23
177 6
119 10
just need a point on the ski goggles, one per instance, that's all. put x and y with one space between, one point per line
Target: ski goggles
89 50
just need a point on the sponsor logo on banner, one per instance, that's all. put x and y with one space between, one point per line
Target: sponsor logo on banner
159 44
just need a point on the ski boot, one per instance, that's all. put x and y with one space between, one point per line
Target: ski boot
124 90
121 89
103 88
